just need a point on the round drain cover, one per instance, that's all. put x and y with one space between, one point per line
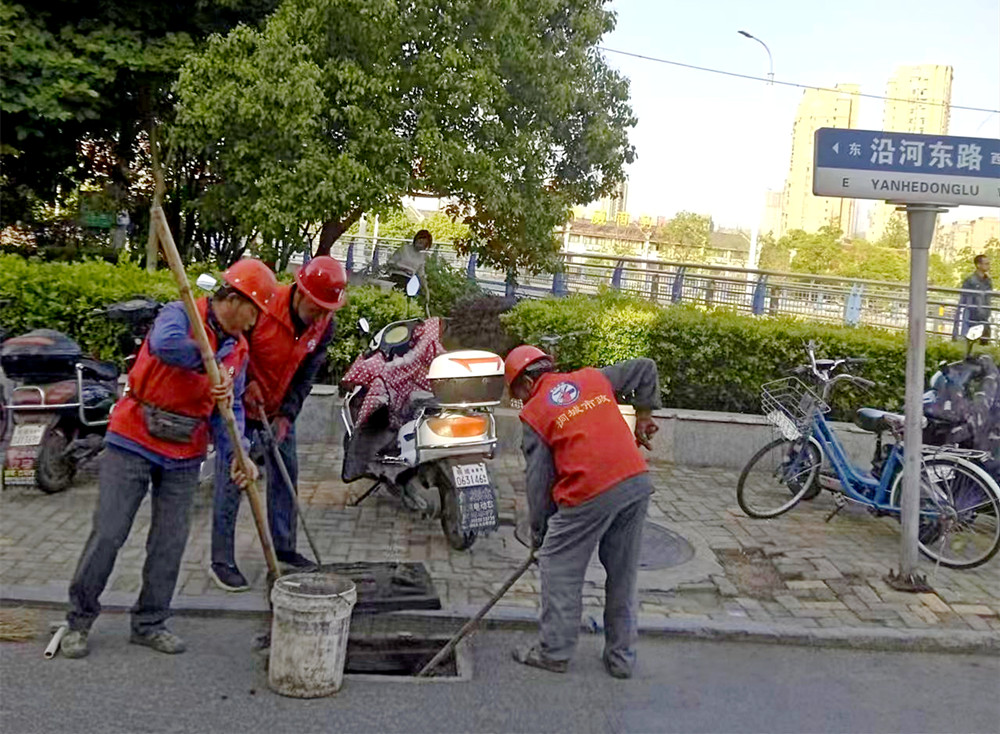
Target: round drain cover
662 548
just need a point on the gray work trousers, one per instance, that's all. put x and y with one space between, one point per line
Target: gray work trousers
612 523
124 480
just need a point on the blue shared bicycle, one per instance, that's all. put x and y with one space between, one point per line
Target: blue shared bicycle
959 502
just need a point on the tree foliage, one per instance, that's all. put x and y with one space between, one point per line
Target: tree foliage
687 229
337 107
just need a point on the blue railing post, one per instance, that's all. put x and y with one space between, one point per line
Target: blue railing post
470 271
510 291
852 307
374 262
560 287
349 262
759 295
677 291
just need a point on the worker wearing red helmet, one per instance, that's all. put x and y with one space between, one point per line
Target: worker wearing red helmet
287 348
588 488
156 441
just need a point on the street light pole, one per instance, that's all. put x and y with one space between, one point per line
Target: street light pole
753 256
770 60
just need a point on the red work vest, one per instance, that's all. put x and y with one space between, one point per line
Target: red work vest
174 389
576 415
276 353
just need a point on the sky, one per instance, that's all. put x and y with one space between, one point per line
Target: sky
714 144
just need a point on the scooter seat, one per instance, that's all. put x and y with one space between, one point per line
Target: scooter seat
422 399
876 421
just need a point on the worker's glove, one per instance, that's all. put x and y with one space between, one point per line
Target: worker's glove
280 427
240 478
223 392
645 429
253 399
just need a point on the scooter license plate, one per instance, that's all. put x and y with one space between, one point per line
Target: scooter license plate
470 475
27 434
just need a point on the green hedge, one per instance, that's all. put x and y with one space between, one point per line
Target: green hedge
63 295
717 360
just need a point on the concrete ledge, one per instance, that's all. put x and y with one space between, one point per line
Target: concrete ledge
253 605
689 437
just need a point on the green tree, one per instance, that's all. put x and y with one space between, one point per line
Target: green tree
337 107
687 229
897 233
85 86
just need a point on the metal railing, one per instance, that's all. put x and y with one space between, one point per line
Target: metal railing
762 292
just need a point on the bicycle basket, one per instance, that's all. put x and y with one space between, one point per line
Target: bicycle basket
790 405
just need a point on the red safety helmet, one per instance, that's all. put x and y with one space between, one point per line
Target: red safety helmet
323 280
254 280
519 359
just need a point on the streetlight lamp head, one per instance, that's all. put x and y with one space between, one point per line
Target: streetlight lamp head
744 33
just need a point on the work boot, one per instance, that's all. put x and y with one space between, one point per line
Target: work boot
227 577
616 670
295 560
163 641
533 656
74 644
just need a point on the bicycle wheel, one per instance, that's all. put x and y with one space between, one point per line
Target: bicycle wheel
777 477
959 512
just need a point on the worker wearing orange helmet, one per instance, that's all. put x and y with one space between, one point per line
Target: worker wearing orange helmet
156 441
287 348
588 488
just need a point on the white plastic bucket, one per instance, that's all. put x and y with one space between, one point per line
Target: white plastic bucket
310 625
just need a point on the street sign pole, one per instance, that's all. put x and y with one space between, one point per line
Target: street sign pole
921 219
922 174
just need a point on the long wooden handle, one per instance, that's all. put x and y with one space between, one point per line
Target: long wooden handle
212 370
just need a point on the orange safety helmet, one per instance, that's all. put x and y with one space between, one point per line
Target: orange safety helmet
254 280
519 359
323 280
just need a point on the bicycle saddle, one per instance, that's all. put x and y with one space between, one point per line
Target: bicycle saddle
876 421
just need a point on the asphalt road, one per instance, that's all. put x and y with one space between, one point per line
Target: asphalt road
219 685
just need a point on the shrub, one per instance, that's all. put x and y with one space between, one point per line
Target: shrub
63 296
717 360
447 286
475 323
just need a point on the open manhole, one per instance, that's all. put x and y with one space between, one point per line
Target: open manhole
403 656
662 548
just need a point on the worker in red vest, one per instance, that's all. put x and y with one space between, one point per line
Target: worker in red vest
158 438
588 488
287 348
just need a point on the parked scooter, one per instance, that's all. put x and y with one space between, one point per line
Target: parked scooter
962 404
60 401
419 421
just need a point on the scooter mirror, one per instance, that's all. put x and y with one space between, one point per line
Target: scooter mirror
975 332
413 286
206 282
363 326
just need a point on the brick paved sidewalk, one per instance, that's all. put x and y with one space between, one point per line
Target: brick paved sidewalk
794 571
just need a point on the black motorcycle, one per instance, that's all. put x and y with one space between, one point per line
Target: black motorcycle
59 402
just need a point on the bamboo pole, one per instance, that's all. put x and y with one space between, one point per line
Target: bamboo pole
212 370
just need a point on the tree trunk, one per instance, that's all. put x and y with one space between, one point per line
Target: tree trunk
333 229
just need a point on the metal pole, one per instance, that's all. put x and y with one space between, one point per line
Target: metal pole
921 219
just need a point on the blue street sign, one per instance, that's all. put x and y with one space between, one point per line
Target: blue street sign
906 167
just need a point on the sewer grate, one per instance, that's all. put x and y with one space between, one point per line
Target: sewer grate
662 548
398 656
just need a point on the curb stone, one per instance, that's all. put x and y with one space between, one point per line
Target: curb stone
886 639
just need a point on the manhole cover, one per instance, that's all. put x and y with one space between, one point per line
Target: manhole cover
662 548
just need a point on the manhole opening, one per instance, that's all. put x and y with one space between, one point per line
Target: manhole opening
398 657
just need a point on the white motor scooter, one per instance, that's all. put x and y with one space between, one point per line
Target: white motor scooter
436 460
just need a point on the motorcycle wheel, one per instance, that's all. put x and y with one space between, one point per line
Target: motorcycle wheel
54 470
450 517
